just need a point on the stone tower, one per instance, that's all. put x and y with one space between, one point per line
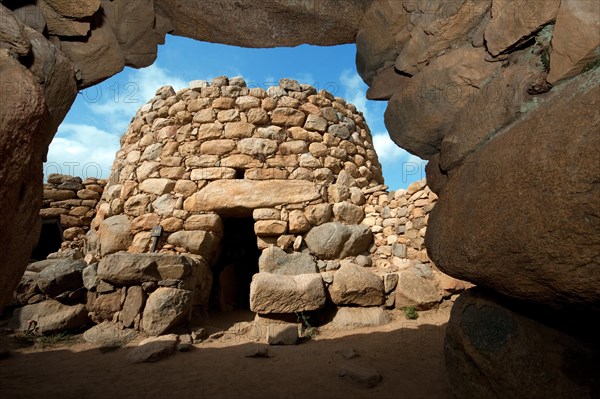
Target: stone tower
246 182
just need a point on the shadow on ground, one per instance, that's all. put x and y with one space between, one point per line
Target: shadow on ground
408 355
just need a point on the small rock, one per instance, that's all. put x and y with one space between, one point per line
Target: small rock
260 351
198 335
349 353
365 376
216 336
50 316
153 349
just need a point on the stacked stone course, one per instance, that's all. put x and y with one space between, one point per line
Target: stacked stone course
183 152
73 202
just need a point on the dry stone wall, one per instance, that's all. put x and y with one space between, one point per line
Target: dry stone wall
299 163
73 202
291 158
398 220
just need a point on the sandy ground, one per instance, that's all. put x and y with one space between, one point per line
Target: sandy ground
408 354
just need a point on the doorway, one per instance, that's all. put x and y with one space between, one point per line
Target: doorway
51 237
237 264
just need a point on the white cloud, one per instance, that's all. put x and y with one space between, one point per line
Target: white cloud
122 99
386 149
81 150
354 91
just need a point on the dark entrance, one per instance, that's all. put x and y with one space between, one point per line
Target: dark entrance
236 266
50 239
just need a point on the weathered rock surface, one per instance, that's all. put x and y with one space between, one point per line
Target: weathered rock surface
335 240
274 293
165 308
356 285
130 269
417 291
103 307
114 234
108 334
63 275
275 260
27 288
282 334
23 136
576 41
268 24
359 317
133 305
376 43
495 348
540 242
154 349
101 44
137 29
514 21
50 316
228 195
196 242
421 113
491 106
439 25
90 278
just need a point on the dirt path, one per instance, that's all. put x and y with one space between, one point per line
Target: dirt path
408 354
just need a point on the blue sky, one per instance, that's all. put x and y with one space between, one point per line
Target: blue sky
88 139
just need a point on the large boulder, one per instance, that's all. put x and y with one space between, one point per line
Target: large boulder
229 196
49 316
420 114
491 105
327 240
376 43
515 21
275 260
356 285
438 25
498 348
197 242
576 41
165 308
124 268
524 222
62 276
23 136
336 240
266 24
136 28
114 234
108 334
27 288
98 56
153 349
103 307
274 293
417 291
